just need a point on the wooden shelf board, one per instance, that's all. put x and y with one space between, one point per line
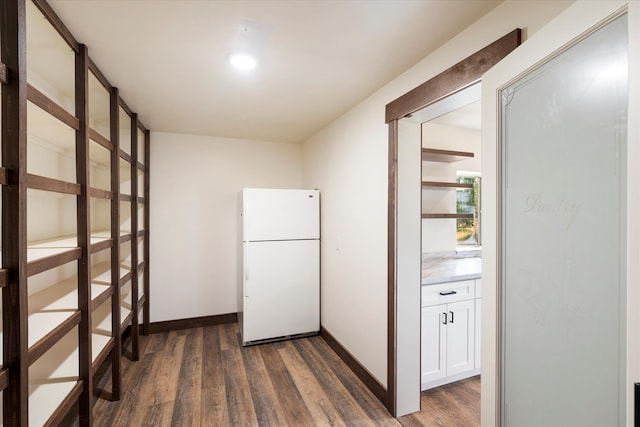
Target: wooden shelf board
446 156
444 185
52 107
47 397
53 306
100 240
446 216
97 137
127 316
100 358
59 331
125 156
43 183
63 409
99 193
43 259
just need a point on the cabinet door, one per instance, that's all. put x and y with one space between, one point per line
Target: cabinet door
433 343
460 336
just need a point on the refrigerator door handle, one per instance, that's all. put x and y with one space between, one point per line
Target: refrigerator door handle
246 272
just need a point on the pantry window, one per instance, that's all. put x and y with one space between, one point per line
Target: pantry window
468 204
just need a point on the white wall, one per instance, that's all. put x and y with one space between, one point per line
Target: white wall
195 181
348 162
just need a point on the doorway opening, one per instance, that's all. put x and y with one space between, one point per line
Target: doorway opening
406 222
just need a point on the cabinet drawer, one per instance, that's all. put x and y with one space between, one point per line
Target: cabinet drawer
478 288
443 293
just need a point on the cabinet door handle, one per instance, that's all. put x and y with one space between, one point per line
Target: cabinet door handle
445 319
451 313
448 293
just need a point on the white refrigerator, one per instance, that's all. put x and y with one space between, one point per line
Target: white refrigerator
279 290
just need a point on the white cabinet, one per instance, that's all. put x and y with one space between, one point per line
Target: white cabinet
434 344
448 346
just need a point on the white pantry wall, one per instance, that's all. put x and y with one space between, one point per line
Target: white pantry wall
348 162
195 181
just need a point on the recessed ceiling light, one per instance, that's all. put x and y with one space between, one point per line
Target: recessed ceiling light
243 62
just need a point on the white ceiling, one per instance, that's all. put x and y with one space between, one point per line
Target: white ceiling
169 58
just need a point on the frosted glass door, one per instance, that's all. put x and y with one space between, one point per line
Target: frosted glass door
564 236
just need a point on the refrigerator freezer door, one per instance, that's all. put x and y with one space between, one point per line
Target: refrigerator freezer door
281 289
273 214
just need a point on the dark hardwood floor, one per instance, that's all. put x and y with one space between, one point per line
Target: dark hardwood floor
203 377
456 404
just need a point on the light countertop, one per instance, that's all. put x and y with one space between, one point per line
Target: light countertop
449 267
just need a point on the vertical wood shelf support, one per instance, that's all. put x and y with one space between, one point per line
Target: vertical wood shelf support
147 270
115 250
84 236
135 332
14 205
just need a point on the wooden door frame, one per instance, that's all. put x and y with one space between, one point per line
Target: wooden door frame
458 77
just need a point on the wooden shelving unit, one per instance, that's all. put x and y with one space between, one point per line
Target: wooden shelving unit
70 233
447 156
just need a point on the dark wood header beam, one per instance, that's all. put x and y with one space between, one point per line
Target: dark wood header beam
456 78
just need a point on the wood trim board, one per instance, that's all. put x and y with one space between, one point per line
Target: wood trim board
194 322
360 371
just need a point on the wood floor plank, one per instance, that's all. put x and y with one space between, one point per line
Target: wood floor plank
349 409
186 409
144 387
315 398
295 410
168 372
213 399
238 392
159 415
154 343
452 404
269 412
363 396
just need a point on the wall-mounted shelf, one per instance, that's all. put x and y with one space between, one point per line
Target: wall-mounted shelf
446 156
445 185
447 216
